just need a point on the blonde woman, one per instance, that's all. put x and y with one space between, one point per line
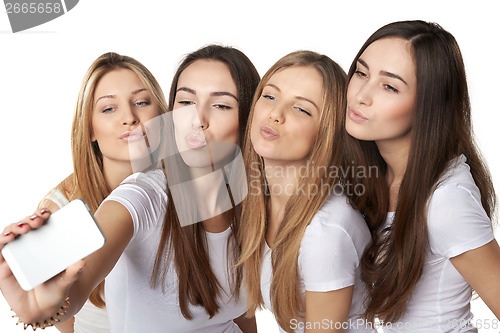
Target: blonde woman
96 170
301 240
160 276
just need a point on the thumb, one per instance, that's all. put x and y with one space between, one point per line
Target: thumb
70 275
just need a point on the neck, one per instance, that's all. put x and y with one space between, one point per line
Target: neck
395 153
209 192
218 223
115 172
282 179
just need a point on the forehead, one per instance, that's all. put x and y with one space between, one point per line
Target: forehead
116 81
304 81
211 75
392 54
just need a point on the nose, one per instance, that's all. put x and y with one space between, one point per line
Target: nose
363 93
129 116
277 114
200 119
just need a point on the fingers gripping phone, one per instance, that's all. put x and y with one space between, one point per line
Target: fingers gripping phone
69 235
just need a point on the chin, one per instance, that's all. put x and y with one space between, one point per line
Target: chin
196 158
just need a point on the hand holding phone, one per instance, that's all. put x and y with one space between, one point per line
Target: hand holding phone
69 235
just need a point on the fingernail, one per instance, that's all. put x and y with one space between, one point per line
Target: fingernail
21 224
7 234
33 217
43 211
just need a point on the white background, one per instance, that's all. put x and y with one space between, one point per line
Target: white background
41 70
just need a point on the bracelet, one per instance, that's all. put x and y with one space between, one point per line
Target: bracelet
46 323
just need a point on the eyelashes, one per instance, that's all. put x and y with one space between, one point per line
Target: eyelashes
386 86
297 108
218 106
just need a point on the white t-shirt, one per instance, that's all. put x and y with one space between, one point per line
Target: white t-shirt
457 223
131 303
90 318
329 255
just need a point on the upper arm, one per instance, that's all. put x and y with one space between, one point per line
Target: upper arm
481 268
328 259
457 221
117 226
325 309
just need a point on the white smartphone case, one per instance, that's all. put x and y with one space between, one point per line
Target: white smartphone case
69 235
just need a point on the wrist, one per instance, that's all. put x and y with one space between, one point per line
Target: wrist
46 320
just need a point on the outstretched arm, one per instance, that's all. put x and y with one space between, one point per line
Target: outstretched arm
79 279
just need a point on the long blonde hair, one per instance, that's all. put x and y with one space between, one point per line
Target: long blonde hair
300 209
87 181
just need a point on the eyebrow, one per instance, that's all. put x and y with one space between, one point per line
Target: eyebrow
135 92
384 73
297 97
215 93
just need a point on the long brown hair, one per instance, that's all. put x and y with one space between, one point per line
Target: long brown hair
87 181
300 209
188 245
441 131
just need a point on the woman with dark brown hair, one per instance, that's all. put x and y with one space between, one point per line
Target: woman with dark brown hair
430 208
162 276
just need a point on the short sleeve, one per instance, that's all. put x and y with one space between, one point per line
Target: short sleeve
457 222
328 258
144 196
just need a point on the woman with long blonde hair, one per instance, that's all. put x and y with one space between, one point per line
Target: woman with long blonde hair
95 172
301 241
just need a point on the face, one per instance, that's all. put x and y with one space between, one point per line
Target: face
122 105
382 92
286 116
206 114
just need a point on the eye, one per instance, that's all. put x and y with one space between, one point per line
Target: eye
269 97
390 88
185 102
303 111
142 103
108 110
222 107
360 73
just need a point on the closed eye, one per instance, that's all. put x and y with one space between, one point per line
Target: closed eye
222 107
272 98
304 111
390 88
186 102
108 110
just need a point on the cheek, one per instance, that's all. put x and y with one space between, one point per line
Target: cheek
227 127
310 133
399 116
351 88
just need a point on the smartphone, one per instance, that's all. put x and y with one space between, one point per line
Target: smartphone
70 234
